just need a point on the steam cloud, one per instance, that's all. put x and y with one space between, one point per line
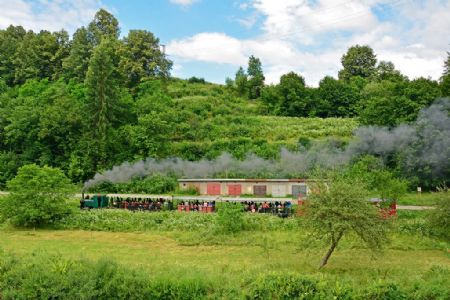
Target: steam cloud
423 144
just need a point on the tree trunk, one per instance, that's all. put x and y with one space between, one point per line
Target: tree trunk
334 243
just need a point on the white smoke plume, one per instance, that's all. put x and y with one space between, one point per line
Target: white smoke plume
423 144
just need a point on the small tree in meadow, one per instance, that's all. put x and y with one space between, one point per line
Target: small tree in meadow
439 219
339 208
37 196
230 218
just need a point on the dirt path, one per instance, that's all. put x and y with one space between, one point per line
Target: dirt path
414 207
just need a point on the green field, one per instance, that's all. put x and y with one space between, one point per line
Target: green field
426 199
184 247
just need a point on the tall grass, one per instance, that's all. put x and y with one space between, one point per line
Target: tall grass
47 276
127 221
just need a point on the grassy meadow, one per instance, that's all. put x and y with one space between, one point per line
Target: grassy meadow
181 247
425 199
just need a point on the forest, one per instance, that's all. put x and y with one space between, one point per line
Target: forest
97 99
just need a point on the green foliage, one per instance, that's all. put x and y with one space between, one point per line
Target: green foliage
445 86
340 207
37 196
141 58
10 41
230 217
390 103
378 180
54 277
358 61
283 286
384 291
155 184
103 26
386 71
76 64
447 65
439 219
126 221
194 79
336 98
256 78
241 82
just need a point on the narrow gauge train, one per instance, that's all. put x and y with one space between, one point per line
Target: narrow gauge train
206 204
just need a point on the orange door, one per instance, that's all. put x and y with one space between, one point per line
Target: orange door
234 189
213 189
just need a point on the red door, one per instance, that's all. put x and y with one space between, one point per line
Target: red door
213 189
234 189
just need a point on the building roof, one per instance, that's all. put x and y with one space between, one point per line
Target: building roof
239 180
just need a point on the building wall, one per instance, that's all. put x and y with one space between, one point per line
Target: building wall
273 188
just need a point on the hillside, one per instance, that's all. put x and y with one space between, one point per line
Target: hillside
219 120
51 123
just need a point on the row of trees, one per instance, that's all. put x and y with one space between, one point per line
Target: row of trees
28 55
63 100
373 91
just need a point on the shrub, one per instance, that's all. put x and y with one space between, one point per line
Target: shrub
44 276
154 184
439 220
37 196
230 217
383 291
437 285
283 286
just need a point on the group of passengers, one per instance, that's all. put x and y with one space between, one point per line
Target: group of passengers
142 204
202 206
267 207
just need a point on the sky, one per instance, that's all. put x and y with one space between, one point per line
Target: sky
212 38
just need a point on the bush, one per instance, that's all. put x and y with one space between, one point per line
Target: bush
37 196
154 184
437 285
44 276
383 291
127 221
230 217
439 220
283 286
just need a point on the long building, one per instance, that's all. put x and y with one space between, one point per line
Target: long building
257 187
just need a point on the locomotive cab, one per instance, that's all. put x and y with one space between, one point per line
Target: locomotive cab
96 201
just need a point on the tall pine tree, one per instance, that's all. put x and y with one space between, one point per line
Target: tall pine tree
102 82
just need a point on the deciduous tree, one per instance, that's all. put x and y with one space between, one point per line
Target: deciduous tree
241 82
255 77
358 61
76 64
339 208
37 196
141 58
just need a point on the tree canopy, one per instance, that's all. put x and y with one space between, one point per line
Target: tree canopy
37 196
341 207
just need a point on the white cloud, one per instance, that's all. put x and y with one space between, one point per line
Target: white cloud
310 37
183 2
51 15
209 47
304 20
